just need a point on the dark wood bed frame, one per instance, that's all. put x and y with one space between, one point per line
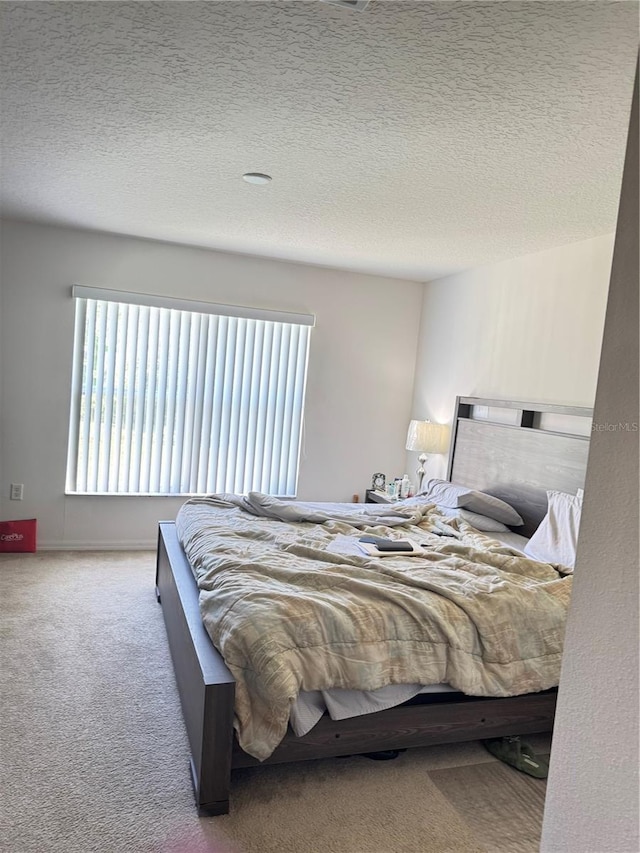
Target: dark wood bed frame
517 461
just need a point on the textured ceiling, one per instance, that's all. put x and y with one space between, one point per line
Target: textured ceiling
411 139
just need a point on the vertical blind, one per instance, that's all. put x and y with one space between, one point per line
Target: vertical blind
171 401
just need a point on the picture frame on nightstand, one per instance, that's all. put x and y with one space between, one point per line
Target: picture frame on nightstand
379 483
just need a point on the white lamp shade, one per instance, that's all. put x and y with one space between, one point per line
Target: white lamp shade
425 437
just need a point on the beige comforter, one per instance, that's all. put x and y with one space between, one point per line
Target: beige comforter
290 608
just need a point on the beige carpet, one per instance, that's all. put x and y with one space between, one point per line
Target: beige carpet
94 752
504 807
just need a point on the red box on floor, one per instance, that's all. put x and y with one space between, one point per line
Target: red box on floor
18 535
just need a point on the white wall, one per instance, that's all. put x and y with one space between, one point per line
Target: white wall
360 377
524 329
592 795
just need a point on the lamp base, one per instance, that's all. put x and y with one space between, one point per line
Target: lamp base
420 471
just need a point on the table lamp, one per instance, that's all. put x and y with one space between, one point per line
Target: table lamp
425 437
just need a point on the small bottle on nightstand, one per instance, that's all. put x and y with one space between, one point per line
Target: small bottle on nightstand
405 485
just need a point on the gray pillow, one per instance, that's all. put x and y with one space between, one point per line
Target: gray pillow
480 522
456 496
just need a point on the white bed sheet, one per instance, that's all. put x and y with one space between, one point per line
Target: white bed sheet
342 704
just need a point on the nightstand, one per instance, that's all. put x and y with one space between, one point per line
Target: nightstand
373 497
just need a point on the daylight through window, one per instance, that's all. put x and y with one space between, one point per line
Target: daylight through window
173 401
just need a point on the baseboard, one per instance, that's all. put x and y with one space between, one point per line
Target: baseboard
145 545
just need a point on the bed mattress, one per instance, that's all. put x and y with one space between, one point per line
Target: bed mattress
289 610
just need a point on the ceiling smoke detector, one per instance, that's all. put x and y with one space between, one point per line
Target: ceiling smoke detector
354 5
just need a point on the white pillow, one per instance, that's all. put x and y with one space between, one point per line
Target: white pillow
556 538
460 497
480 522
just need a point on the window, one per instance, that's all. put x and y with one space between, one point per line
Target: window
172 397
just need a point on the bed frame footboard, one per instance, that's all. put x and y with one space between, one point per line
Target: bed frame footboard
205 685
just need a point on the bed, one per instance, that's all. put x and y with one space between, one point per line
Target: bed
514 451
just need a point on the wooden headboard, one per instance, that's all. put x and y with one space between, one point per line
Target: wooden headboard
516 451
